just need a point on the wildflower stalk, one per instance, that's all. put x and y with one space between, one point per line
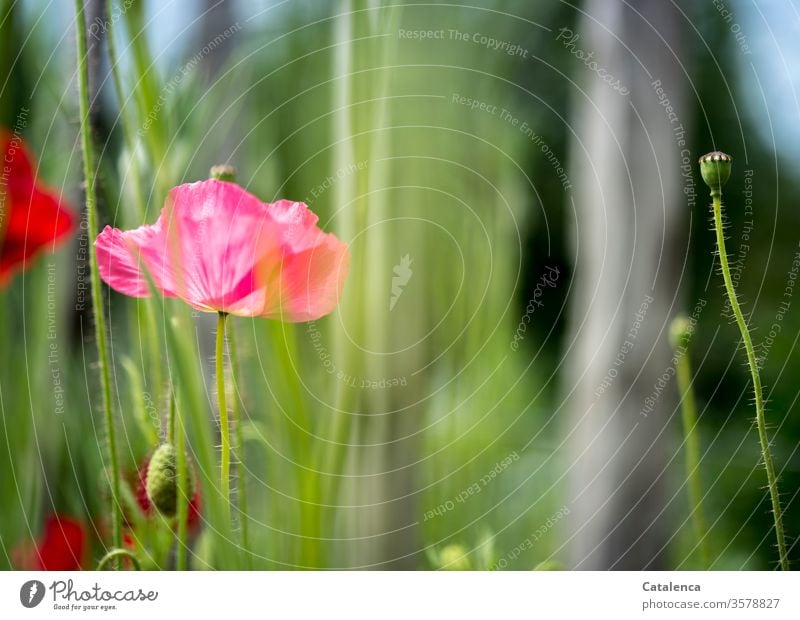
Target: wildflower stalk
225 172
114 554
715 168
225 465
236 420
179 436
681 333
97 299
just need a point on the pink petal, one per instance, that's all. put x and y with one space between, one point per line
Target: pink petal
310 282
219 248
221 231
118 260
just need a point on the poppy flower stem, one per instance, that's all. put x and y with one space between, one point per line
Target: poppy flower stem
225 431
114 554
766 453
682 332
184 490
236 421
97 299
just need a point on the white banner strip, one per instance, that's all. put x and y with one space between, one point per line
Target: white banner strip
388 595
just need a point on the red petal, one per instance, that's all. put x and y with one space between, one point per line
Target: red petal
62 545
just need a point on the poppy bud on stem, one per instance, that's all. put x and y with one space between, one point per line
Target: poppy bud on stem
162 480
223 172
715 168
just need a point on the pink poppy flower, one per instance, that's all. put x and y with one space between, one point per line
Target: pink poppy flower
220 249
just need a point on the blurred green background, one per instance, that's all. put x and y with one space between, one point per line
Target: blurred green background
382 434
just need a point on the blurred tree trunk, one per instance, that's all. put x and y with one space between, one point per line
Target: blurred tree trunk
629 205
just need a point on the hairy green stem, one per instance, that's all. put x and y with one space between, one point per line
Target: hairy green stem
171 412
236 420
766 453
97 299
692 453
114 554
179 436
225 472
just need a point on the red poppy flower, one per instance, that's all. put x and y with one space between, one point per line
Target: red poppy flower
61 546
32 217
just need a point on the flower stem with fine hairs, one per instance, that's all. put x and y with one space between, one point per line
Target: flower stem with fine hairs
225 432
681 333
715 168
179 437
236 420
97 299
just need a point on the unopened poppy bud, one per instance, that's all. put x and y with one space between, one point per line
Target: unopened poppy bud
680 331
162 480
715 168
224 172
454 557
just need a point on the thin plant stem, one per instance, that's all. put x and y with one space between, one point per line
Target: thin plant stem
692 451
236 421
171 413
114 554
117 80
225 468
179 436
766 453
97 299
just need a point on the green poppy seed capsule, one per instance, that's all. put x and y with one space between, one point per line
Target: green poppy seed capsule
680 331
224 172
162 480
715 168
